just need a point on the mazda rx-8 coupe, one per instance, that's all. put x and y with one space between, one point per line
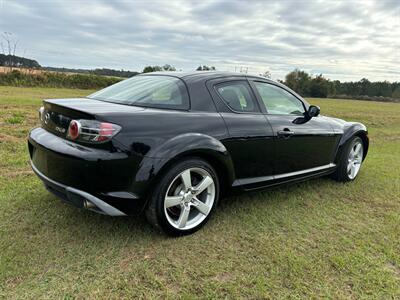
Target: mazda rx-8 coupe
170 145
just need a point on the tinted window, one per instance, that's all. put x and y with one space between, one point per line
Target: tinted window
238 96
279 101
149 91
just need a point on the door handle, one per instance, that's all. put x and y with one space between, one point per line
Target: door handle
286 133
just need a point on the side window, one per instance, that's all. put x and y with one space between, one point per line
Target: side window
237 96
278 101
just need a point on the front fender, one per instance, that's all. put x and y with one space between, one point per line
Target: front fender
350 129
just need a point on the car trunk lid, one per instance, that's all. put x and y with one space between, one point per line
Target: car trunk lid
58 113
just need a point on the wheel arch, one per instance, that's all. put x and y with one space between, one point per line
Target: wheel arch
364 137
221 165
354 129
194 145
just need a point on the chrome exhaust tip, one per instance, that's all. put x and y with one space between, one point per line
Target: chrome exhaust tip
89 205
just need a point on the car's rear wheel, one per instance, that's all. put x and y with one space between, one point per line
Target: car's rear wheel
350 161
184 198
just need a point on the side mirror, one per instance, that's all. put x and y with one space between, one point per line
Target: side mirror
313 111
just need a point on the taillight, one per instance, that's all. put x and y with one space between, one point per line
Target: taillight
74 129
92 131
106 131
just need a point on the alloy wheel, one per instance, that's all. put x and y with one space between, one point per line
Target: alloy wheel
355 159
189 198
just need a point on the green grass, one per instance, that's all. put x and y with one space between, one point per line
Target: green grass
16 118
318 239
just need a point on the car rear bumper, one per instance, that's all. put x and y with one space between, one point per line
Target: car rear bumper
78 198
101 180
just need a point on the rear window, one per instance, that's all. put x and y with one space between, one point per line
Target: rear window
157 91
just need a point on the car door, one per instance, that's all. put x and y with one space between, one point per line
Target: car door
301 144
250 141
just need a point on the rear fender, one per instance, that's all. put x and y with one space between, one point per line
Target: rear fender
199 145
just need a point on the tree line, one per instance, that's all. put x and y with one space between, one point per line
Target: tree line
300 81
166 67
321 87
10 60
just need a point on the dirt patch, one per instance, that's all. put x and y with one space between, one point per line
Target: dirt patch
223 277
19 173
10 138
395 269
392 138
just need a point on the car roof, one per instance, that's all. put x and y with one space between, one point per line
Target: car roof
196 77
202 74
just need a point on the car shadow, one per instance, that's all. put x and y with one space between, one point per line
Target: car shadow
80 224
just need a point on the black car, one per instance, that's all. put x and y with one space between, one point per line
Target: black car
171 144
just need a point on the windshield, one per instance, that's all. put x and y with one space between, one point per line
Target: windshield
150 91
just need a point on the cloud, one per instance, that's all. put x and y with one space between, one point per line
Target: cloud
343 40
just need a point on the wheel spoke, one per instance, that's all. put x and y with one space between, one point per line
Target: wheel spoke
353 171
172 201
349 167
186 179
351 154
357 149
201 206
183 217
205 183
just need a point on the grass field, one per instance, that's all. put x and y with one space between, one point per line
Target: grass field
318 239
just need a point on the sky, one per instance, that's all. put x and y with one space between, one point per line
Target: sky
344 40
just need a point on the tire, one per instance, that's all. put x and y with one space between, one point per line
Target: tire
350 161
187 191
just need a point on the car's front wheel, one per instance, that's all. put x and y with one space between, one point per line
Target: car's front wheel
350 161
184 198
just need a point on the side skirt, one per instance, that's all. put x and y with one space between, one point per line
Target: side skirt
255 183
